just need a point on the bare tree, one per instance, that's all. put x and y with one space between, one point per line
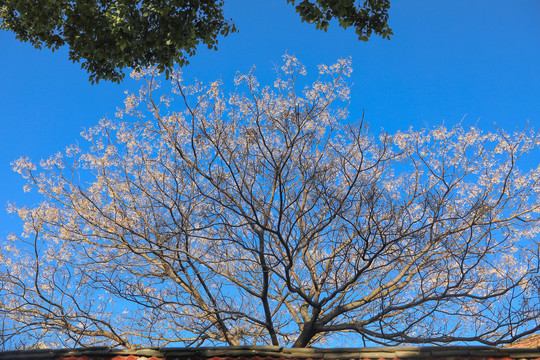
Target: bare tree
268 217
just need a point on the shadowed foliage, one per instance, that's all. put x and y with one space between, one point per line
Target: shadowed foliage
109 36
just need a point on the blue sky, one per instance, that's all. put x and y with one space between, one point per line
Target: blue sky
447 60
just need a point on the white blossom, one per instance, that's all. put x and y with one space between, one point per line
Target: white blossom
243 219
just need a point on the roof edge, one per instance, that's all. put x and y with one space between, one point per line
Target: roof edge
390 352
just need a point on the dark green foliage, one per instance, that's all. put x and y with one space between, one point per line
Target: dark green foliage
112 35
371 17
108 36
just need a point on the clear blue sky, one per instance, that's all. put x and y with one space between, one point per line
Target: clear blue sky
448 59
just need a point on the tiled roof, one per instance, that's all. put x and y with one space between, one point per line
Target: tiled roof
532 341
279 353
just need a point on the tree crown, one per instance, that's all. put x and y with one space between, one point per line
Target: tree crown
267 217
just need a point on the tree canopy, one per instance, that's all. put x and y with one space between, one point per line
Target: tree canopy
109 36
267 216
